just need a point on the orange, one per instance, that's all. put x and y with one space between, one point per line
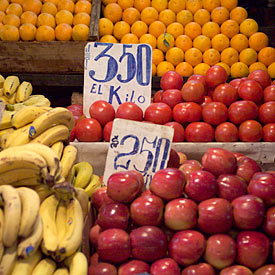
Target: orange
1 31
45 19
83 18
238 14
184 69
131 15
157 56
159 5
105 26
83 6
3 5
258 40
156 28
239 69
219 15
193 56
230 28
202 16
154 69
64 16
45 33
211 57
176 29
271 70
14 8
193 30
53 1
248 56
80 32
210 29
193 5
106 2
27 32
11 19
108 39
32 5
184 17
113 12
176 5
120 29
184 42
225 66
220 42
66 5
210 4
49 7
149 15
229 56
239 42
2 14
129 38
201 68
229 4
167 17
202 43
148 38
139 28
248 27
28 17
257 66
165 41
20 2
266 55
164 67
142 4
125 4
63 32
9 33
174 55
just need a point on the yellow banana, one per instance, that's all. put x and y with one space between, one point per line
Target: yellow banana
44 267
8 260
1 91
94 184
81 174
61 219
61 271
10 85
12 214
83 199
1 233
15 175
6 120
30 182
58 148
12 99
43 191
5 131
23 91
68 159
4 99
4 138
78 264
33 100
2 79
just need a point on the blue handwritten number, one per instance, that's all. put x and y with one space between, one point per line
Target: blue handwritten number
139 65
165 153
112 67
131 65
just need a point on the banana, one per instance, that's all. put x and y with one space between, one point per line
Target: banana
83 199
30 182
23 91
81 174
44 267
52 135
2 79
56 116
4 99
10 85
6 120
29 245
61 271
5 131
1 233
18 174
68 159
30 210
1 90
78 264
12 99
58 148
47 211
94 184
61 219
43 191
26 266
8 260
12 214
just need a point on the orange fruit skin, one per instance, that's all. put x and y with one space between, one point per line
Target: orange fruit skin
193 30
267 55
193 56
130 15
202 16
219 15
183 42
63 32
184 69
113 12
45 33
258 40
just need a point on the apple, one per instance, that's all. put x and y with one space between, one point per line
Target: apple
201 185
215 216
140 178
236 270
252 249
174 159
123 186
147 210
148 243
133 267
220 251
168 183
94 233
182 157
247 167
219 161
171 80
269 224
165 266
187 246
199 269
113 215
187 168
100 197
114 245
180 214
231 186
94 259
265 270
102 269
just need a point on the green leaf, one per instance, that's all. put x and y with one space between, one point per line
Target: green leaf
166 43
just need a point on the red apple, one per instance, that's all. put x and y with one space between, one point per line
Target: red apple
171 80
186 247
252 249
166 266
114 245
265 270
236 270
168 183
215 216
269 224
94 233
261 76
187 168
220 251
171 97
174 159
178 131
94 259
198 77
215 75
133 267
247 167
180 214
140 178
199 269
102 269
100 197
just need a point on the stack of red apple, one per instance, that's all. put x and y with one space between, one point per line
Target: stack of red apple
213 217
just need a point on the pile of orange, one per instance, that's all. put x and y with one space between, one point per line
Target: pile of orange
189 36
45 20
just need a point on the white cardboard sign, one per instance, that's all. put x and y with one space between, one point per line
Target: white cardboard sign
117 73
138 146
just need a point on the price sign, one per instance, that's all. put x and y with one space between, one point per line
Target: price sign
138 146
2 109
117 73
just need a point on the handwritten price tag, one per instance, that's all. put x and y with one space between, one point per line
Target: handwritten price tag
138 146
117 73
